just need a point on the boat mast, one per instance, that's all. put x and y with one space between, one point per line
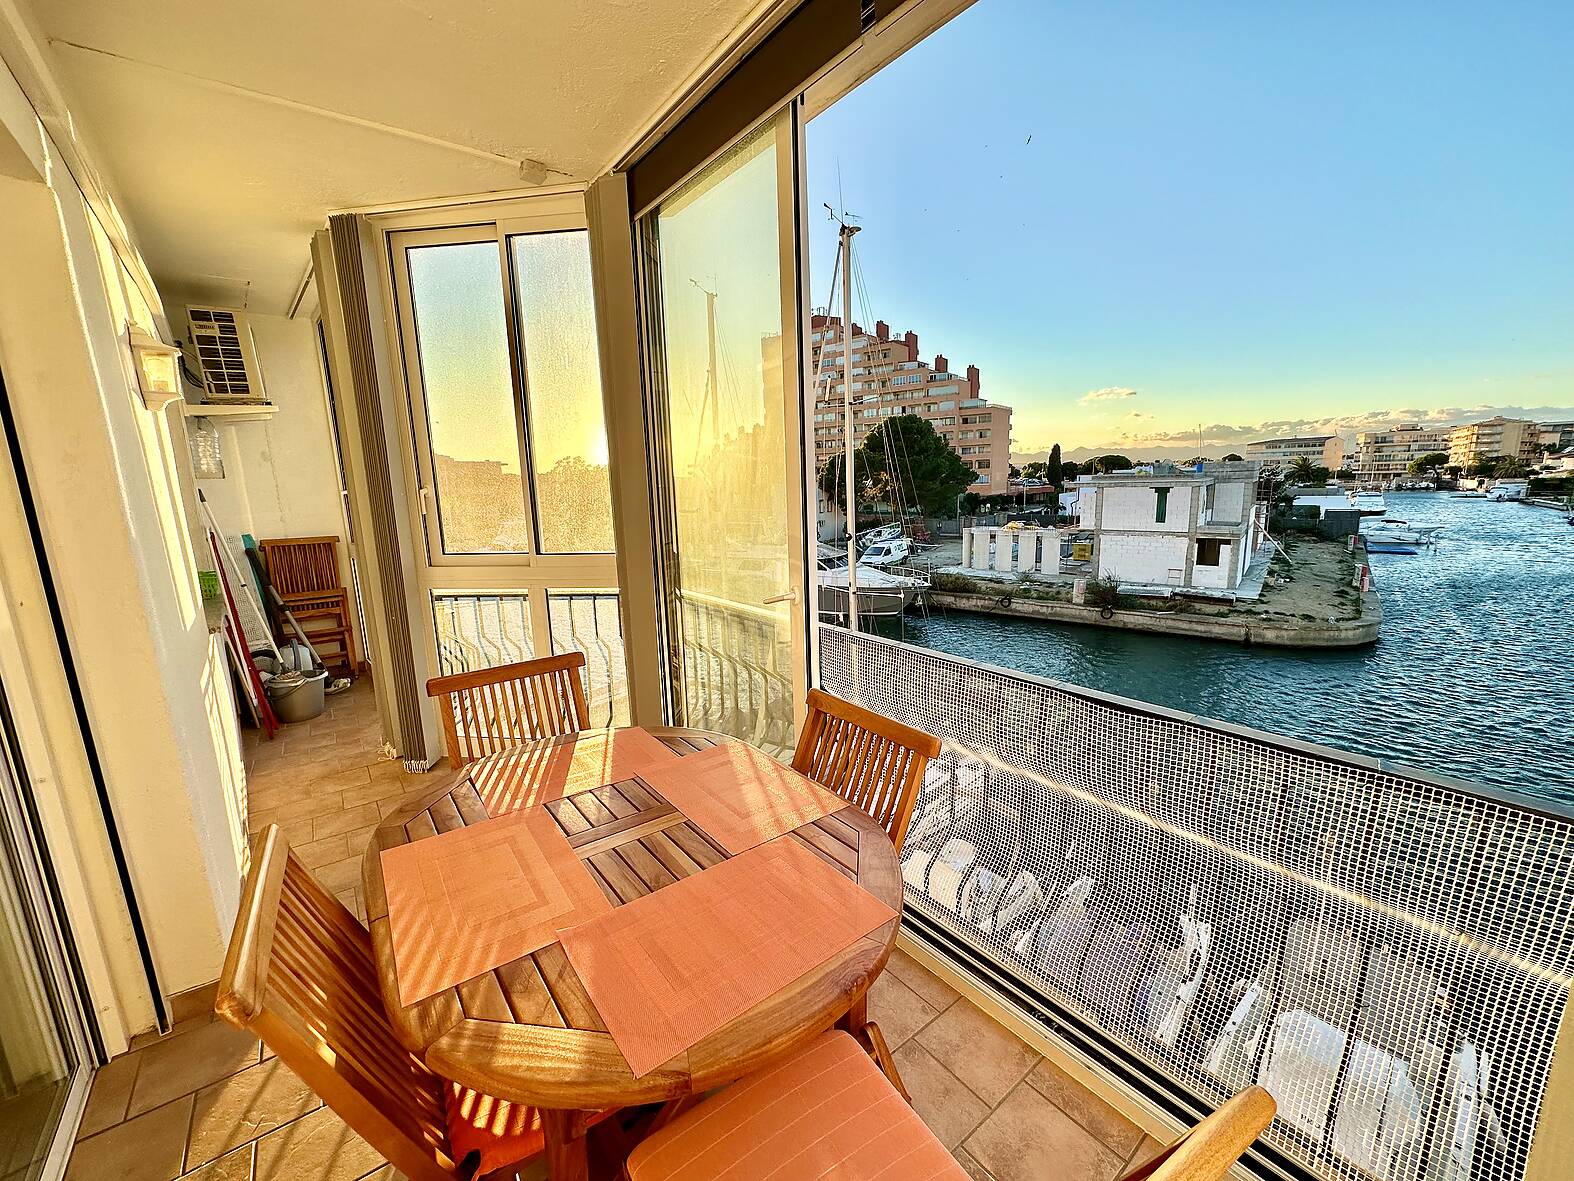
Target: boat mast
712 397
847 233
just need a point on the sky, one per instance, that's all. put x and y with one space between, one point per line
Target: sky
1150 222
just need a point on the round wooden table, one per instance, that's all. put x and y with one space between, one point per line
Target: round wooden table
528 1031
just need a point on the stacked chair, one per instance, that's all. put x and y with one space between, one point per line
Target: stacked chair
305 573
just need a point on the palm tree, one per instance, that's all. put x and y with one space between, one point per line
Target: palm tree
1302 471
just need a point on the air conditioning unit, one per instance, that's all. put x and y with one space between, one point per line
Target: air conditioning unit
226 356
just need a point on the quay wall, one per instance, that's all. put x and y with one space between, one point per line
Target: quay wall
1240 629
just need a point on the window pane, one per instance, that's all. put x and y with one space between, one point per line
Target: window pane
457 293
481 630
721 312
568 432
588 622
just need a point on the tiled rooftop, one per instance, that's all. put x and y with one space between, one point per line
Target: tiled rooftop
210 1103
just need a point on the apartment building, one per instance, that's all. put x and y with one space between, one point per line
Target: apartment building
888 379
1385 455
1324 450
1557 435
1516 437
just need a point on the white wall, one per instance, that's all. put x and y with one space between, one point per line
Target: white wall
1221 576
1135 507
280 477
1149 558
107 488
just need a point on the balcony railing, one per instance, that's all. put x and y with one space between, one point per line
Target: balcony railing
1203 906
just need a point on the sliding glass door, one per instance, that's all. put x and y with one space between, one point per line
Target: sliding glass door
513 493
722 326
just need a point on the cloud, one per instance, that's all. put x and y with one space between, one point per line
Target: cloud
1138 414
1108 394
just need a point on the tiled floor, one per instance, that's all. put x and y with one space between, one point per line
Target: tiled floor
211 1104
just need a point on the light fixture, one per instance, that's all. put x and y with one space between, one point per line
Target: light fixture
158 369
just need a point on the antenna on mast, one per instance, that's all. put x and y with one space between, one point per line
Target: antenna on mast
845 232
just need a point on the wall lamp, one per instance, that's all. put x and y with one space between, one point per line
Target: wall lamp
158 369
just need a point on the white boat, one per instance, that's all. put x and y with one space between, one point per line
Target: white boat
1369 503
1509 490
880 593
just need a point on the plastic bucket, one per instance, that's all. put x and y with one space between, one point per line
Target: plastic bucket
298 697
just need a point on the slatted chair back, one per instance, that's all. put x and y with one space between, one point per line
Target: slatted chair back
1209 1150
302 565
492 709
301 975
866 758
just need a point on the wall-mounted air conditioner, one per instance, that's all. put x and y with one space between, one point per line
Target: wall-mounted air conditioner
219 340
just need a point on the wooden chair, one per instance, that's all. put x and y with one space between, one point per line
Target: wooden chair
491 709
301 975
866 758
825 1111
1207 1151
305 572
831 1112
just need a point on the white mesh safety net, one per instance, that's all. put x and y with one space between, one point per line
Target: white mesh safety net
1390 956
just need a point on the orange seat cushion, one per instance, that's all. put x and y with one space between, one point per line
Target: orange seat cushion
825 1112
487 1134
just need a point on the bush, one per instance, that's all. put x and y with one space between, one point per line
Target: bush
1105 592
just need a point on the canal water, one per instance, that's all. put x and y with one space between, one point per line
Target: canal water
1471 676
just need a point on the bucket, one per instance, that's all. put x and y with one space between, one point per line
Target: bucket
298 697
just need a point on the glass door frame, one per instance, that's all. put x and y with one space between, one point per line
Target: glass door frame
537 575
800 591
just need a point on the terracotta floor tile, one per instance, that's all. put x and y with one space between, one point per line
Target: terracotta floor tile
971 1167
939 1097
250 1104
345 820
1145 1151
323 852
1028 1138
232 1166
988 1058
899 1011
340 875
147 1148
936 993
1117 1132
111 1093
318 1146
180 1065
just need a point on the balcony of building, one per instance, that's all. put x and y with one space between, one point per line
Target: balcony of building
1114 917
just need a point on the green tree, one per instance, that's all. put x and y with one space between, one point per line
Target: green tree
1304 472
1070 470
1482 464
1054 470
1429 464
1035 470
1508 467
1105 464
911 465
1233 458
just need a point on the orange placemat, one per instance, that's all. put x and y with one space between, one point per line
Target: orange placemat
741 796
466 901
531 775
668 969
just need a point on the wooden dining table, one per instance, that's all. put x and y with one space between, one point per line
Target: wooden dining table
528 1031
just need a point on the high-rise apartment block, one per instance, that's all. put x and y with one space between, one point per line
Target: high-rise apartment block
888 379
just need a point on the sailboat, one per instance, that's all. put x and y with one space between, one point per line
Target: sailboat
857 586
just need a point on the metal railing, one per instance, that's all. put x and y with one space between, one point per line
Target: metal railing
1203 906
736 673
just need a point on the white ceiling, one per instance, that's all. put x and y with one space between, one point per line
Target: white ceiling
230 129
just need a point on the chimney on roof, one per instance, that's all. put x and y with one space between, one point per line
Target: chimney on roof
857 331
911 341
941 364
819 320
972 380
882 330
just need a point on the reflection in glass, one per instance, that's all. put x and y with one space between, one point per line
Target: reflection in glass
481 630
568 433
462 339
717 242
34 1070
588 622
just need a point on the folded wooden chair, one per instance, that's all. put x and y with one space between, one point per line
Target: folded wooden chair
866 758
300 975
491 709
